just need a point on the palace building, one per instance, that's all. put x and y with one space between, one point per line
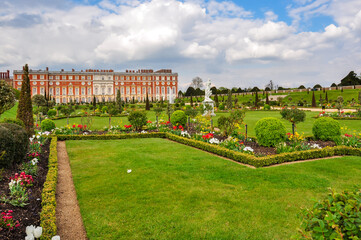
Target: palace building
83 86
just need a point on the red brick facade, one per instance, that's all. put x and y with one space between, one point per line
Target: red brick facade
82 86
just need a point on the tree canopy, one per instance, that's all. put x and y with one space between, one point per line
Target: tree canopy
351 79
7 97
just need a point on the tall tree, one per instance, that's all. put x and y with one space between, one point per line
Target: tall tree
216 99
147 105
118 102
350 79
267 99
229 100
25 108
326 97
313 99
197 82
270 85
256 100
191 101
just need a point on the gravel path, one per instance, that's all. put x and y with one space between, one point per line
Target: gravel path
68 218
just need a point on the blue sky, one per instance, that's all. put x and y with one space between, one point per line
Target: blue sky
234 43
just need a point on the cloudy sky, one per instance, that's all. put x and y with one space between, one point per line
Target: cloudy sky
234 43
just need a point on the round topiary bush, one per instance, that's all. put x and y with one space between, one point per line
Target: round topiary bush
7 147
51 113
326 128
178 118
47 125
20 140
270 132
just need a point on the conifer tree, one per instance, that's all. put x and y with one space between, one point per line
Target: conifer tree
256 100
147 105
267 100
118 102
191 101
25 108
216 99
313 99
229 100
326 98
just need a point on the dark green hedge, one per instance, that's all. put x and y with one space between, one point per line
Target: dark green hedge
111 136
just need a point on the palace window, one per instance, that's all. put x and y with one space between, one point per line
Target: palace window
34 90
76 91
149 90
163 90
70 91
51 91
57 91
83 91
70 77
109 90
42 91
57 77
122 90
89 77
89 91
96 91
138 90
51 77
128 90
76 77
82 77
41 76
63 77
18 76
64 91
157 90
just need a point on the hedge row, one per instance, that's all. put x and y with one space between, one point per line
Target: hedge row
111 136
93 115
343 118
271 159
221 151
47 215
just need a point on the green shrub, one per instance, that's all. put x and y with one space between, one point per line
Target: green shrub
326 128
138 119
14 120
293 115
20 140
221 106
266 107
178 118
7 147
47 125
51 113
336 217
270 132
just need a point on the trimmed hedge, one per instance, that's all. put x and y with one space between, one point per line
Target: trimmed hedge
111 136
47 215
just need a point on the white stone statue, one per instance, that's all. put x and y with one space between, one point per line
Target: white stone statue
170 96
208 103
208 92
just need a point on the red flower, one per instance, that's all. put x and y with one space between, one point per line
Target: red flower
37 125
80 126
167 122
74 126
149 121
348 135
84 126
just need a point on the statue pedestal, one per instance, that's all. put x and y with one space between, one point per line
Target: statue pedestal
209 103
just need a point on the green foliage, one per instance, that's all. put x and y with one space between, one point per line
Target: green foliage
158 111
336 217
51 113
47 215
229 100
7 145
221 106
230 123
178 118
47 125
266 107
294 115
270 132
191 112
118 102
20 141
104 109
38 100
7 97
13 120
25 108
326 128
138 119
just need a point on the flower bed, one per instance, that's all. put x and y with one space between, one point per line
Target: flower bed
25 179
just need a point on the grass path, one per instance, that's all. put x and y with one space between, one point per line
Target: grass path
177 192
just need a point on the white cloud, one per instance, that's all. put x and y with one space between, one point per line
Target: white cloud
212 39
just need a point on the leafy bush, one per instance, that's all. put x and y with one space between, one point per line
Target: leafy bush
20 140
270 132
13 120
138 119
229 124
47 125
326 128
221 106
51 113
294 115
178 118
266 107
7 147
337 217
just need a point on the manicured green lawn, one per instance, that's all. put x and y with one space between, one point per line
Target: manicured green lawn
11 113
178 192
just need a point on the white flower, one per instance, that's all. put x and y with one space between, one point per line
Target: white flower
34 161
55 237
143 131
37 232
29 237
129 170
248 149
185 134
31 139
214 141
315 146
30 230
